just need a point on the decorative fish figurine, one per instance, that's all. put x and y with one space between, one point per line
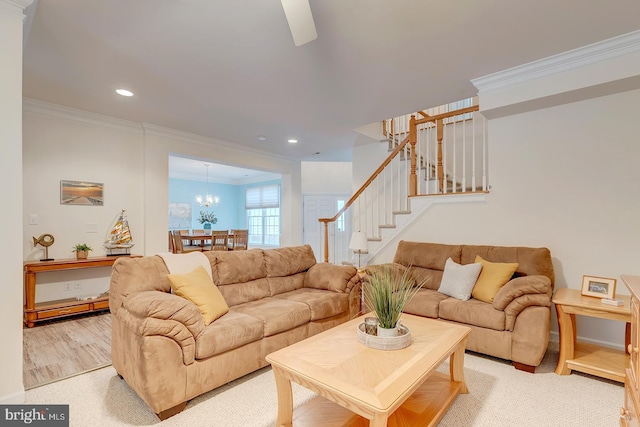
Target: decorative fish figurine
45 240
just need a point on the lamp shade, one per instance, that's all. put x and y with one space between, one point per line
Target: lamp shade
358 242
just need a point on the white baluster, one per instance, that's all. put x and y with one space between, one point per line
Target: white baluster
455 156
464 154
484 154
473 156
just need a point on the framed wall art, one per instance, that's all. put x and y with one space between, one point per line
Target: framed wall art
81 193
599 287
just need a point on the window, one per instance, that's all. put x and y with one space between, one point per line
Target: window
263 215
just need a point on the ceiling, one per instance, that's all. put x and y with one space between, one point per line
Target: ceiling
229 70
197 170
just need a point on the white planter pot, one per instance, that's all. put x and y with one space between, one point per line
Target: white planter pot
387 332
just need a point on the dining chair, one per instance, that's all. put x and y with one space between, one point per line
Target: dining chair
240 240
220 240
179 247
171 249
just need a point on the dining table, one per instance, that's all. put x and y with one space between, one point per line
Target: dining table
201 239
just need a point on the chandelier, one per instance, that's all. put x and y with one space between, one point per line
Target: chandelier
208 199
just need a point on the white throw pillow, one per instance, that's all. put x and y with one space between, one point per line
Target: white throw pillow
458 280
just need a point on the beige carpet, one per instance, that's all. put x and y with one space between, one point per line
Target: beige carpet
62 348
499 396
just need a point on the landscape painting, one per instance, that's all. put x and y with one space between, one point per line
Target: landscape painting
179 216
81 193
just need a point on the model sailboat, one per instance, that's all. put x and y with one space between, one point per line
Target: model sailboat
119 240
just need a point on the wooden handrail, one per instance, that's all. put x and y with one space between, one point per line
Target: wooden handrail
448 114
411 139
364 186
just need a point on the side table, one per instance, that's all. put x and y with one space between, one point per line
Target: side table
590 358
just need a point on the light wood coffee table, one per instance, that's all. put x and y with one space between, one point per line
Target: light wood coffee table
400 387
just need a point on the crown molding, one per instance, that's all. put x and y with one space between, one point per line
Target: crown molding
35 106
15 7
151 129
615 47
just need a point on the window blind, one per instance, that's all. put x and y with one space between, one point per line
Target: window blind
267 196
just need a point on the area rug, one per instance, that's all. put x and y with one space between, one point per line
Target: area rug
499 396
62 348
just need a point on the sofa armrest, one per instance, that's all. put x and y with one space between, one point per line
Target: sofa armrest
525 285
521 293
331 277
150 313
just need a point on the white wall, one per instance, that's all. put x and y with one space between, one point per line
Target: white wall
326 177
131 159
566 178
11 388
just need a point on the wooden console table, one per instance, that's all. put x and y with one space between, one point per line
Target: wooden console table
64 307
590 358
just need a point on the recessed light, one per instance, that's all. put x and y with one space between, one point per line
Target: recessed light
124 92
292 141
262 138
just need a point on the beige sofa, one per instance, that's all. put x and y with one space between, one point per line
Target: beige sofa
164 351
515 326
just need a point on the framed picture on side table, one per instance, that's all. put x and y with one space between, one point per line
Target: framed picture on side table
599 287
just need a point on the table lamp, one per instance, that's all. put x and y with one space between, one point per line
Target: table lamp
358 244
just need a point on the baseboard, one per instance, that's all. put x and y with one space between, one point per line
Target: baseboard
11 399
555 336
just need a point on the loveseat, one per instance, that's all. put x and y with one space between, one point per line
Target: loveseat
162 347
513 324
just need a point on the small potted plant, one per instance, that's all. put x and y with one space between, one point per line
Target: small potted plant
207 218
82 250
386 292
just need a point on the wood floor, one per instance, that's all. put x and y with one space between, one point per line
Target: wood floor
66 347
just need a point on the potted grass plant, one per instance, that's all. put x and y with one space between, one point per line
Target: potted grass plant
82 250
386 292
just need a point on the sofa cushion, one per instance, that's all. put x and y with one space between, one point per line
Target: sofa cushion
493 276
278 285
322 304
329 276
426 255
231 331
531 261
288 261
236 266
425 303
277 315
458 280
472 312
198 288
240 293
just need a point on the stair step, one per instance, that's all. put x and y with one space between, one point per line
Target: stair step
387 226
401 212
374 239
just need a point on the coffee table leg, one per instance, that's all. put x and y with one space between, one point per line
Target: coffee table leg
456 366
285 399
379 420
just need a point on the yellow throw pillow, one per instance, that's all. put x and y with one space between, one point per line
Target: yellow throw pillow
198 288
493 276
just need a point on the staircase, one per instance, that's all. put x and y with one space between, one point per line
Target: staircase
435 156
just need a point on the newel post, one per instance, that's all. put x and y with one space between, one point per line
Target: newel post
439 131
325 221
413 178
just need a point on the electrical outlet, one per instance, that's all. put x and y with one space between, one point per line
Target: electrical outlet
68 287
78 286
